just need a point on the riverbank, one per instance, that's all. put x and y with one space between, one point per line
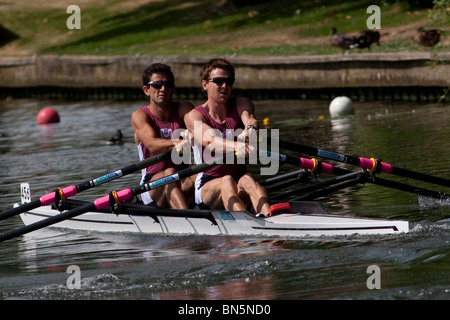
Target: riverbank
398 76
210 27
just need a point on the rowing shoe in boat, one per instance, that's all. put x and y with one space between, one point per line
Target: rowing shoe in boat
307 218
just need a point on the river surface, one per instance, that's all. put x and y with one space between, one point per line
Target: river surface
415 265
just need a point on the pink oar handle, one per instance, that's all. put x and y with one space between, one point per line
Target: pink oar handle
66 192
327 168
311 165
120 196
370 164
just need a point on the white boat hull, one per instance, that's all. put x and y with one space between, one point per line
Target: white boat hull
309 219
224 223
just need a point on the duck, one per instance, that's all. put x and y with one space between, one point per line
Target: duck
366 38
342 41
117 138
427 38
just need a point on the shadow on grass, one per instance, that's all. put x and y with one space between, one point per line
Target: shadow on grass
175 18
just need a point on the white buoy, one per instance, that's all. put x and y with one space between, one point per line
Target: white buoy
341 106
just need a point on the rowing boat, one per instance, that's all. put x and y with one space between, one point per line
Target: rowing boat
307 218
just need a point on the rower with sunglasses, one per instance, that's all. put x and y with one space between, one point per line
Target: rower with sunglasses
228 186
153 126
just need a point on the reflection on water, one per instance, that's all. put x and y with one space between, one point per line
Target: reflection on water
47 132
341 133
256 288
414 266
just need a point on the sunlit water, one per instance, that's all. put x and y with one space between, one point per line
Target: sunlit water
413 266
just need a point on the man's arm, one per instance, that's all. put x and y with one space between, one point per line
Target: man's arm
246 110
144 133
202 132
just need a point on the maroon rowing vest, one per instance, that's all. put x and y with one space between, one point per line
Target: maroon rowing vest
233 121
163 129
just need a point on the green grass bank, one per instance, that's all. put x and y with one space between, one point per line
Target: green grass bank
209 27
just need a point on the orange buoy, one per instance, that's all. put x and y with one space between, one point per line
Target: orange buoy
47 115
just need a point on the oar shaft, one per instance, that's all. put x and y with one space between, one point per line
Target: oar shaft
124 171
297 174
47 222
118 197
328 189
408 188
421 176
20 209
350 175
70 191
128 194
372 165
322 167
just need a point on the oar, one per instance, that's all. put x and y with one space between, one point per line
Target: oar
407 188
70 191
295 175
113 198
372 165
329 189
312 165
362 178
316 166
354 175
304 178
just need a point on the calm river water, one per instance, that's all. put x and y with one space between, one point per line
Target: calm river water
124 266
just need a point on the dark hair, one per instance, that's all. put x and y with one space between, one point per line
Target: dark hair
216 63
156 68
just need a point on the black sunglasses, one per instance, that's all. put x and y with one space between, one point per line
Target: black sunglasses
159 84
220 81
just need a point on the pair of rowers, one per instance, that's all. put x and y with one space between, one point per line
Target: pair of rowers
226 186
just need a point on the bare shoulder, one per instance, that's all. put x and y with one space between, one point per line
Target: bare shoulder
138 114
193 115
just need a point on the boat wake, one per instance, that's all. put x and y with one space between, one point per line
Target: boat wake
428 202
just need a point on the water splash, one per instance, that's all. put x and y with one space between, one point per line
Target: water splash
429 202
